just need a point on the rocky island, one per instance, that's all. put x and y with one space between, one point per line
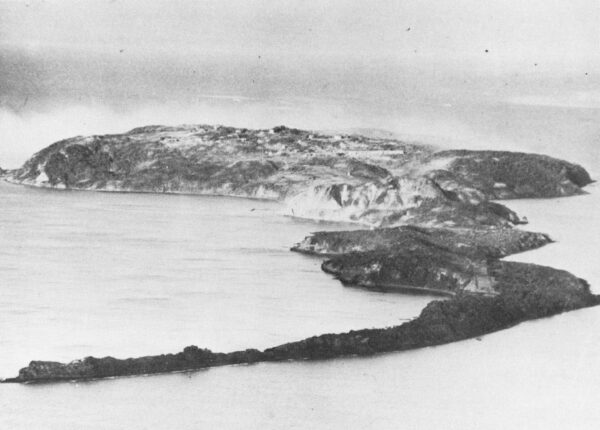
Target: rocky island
434 227
372 181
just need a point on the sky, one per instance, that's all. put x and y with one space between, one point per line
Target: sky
510 30
413 66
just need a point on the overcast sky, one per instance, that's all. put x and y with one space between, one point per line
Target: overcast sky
559 32
419 67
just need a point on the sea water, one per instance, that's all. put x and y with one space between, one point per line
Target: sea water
89 273
131 274
216 272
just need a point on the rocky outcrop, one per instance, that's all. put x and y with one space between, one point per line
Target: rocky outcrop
209 159
414 259
523 292
190 358
399 201
373 181
505 175
474 243
484 295
444 235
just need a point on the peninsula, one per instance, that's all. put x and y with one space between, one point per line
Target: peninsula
434 226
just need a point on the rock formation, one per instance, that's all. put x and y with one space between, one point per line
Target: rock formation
416 259
507 175
439 232
521 292
373 181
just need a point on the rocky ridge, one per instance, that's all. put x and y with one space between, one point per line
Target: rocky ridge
416 259
521 292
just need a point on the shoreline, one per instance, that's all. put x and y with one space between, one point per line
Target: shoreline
124 191
567 240
440 233
276 357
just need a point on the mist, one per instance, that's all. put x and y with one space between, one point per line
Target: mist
540 125
52 95
476 76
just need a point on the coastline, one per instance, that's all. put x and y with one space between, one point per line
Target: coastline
126 191
256 355
568 222
455 248
546 362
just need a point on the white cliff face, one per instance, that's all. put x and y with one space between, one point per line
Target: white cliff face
42 178
370 204
316 203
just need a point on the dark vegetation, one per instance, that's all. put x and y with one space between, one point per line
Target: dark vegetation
501 174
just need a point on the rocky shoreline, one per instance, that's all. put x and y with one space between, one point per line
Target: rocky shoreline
379 182
522 292
437 230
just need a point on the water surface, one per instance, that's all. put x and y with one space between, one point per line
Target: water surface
87 273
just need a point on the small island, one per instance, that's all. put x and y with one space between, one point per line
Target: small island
432 226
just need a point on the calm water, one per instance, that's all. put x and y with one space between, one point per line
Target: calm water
134 274
126 275
82 274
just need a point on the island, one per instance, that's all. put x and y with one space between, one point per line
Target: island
432 226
